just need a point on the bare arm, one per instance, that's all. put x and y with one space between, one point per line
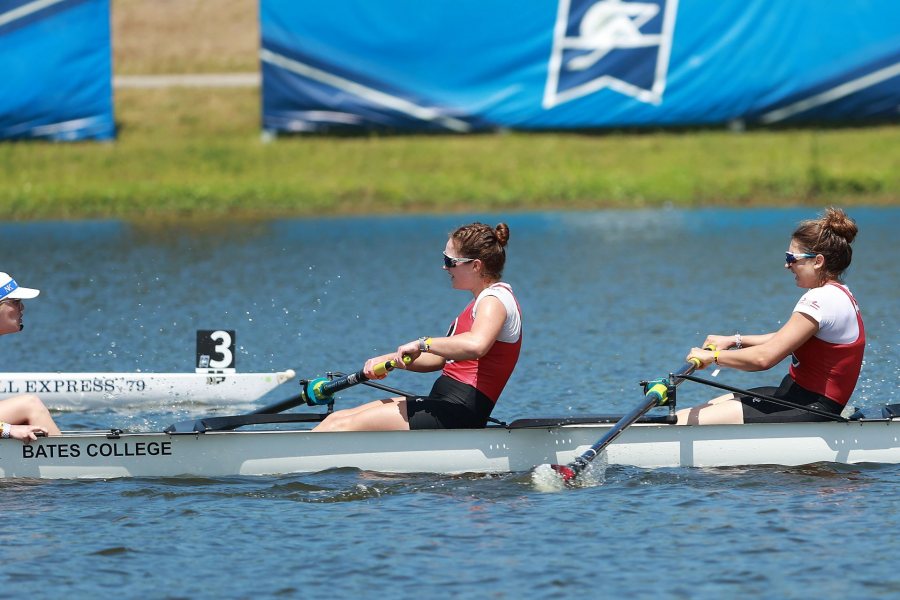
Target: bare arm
725 342
773 348
472 344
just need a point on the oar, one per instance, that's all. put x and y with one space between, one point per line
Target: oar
317 391
382 387
657 394
321 390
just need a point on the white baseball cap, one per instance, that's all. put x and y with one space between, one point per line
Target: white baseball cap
10 289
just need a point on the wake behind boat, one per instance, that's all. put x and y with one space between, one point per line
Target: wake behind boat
517 447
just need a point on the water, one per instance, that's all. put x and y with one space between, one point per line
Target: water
609 298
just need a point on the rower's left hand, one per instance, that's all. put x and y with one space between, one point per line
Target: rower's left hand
704 356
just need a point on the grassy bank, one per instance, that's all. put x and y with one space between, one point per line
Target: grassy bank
184 151
189 151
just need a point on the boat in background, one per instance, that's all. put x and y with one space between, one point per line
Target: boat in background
214 381
91 391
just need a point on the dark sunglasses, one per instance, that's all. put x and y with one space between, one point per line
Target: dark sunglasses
790 258
451 262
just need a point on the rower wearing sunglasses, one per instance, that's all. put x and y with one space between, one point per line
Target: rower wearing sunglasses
476 357
23 417
824 336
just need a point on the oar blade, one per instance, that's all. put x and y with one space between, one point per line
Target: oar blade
566 472
548 478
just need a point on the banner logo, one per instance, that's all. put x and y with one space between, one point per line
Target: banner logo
616 44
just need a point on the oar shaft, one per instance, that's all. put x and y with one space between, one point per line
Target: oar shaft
618 428
382 387
280 406
656 395
320 391
342 383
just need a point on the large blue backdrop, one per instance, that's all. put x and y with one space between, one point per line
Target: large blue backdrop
464 65
55 70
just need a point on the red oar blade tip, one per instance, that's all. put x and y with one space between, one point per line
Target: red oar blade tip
546 478
567 473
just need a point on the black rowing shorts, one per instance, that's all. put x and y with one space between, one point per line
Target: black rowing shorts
763 411
450 405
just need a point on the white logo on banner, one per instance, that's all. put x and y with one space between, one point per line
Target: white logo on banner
615 44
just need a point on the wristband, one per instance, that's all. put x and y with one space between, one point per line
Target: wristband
737 341
716 357
5 429
424 344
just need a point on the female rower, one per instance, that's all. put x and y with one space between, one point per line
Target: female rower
23 416
477 356
825 334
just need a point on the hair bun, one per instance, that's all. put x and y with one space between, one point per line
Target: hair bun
837 221
502 233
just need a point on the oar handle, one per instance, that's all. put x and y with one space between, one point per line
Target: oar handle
389 365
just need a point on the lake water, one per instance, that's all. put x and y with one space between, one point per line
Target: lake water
609 298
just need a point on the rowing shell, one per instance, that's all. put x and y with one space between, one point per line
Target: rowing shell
85 391
516 448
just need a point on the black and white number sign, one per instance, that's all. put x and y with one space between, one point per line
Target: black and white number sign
215 350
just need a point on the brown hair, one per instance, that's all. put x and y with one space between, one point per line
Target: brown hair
830 235
478 240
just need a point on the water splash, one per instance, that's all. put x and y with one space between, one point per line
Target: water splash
545 479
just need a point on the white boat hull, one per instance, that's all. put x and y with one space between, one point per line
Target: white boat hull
86 391
491 450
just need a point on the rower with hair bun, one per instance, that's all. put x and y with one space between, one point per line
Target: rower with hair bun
24 416
477 356
825 336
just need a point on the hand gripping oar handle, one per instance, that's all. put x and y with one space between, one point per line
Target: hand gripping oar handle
656 394
321 390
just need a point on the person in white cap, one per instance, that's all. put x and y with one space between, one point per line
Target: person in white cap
24 416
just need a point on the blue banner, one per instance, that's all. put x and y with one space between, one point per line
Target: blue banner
468 65
55 70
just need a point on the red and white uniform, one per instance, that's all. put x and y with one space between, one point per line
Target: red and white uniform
829 362
489 373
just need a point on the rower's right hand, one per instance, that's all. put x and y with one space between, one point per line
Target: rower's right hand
26 433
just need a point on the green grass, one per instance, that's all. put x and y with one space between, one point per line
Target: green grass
198 152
